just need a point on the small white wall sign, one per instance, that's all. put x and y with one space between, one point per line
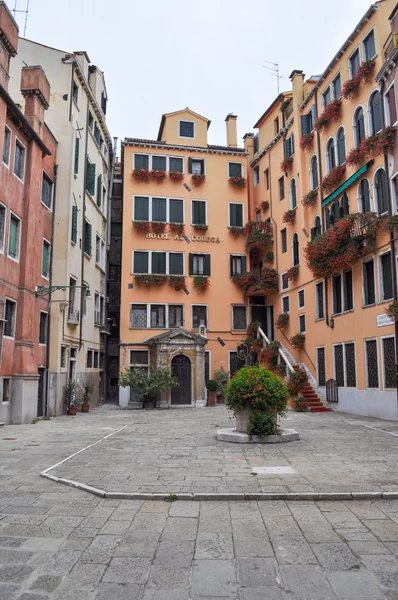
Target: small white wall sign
383 320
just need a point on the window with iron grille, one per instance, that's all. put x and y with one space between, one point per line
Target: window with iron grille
285 304
158 316
302 323
301 299
351 378
199 316
339 365
285 282
390 379
138 357
235 363
372 367
89 359
239 320
281 188
320 354
319 301
284 240
176 316
344 364
138 316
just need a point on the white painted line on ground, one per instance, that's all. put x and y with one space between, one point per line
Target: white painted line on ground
273 470
381 430
44 473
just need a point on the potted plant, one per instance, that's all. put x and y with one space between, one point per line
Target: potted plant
256 397
158 175
211 386
297 382
141 175
148 385
286 165
176 176
177 282
289 216
201 283
310 198
198 179
236 231
158 227
292 273
221 377
333 178
331 113
87 388
265 205
70 397
306 141
298 340
198 227
238 182
178 228
282 320
142 226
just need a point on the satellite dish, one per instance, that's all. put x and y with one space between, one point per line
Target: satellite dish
242 351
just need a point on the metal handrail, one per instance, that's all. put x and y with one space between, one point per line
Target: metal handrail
261 334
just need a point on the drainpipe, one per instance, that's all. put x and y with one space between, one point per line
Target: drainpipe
392 241
82 290
49 301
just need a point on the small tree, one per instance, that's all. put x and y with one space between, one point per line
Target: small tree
148 385
87 388
70 393
221 376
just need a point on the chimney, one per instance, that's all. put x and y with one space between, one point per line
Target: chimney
297 79
248 143
36 91
232 136
8 42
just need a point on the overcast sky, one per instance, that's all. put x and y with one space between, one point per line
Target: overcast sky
163 55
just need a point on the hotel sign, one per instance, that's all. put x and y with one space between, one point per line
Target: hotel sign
193 238
383 320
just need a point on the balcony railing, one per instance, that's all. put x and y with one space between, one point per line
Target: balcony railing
288 111
388 47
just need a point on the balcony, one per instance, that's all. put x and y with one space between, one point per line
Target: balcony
388 46
73 317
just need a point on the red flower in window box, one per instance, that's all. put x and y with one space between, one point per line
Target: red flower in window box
198 180
363 75
282 320
257 281
259 235
150 280
306 141
392 311
292 273
333 179
176 176
310 198
236 231
201 283
374 145
178 228
158 227
141 175
298 340
158 175
238 182
177 282
142 226
200 227
330 113
287 165
264 205
289 216
355 157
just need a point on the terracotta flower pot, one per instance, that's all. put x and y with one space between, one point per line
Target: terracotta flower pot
85 407
72 411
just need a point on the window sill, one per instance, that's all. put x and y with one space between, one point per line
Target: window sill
7 166
369 305
88 256
47 207
319 319
341 314
19 179
8 337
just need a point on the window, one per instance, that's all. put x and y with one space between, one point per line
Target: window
369 46
187 129
87 238
344 205
284 240
348 290
343 299
344 364
97 133
285 304
359 127
140 262
276 126
62 360
386 288
372 364
95 359
97 310
391 107
43 327
321 366
72 298
176 164
75 91
158 263
139 357
90 178
45 261
337 87
340 139
376 119
293 194
235 363
380 188
368 274
6 389
237 265
235 214
77 151
314 181
73 235
266 173
100 191
141 208
19 160
281 188
2 227
301 298
307 122
199 212
116 230
330 156
319 301
326 97
316 230
138 316
256 175
285 281
159 210
176 210
141 161
354 62
288 146
89 359
199 316
7 146
159 163
302 323
199 264
100 252
296 250
176 263
239 318
9 315
90 121
14 237
176 316
158 316
364 196
390 376
235 169
196 166
46 191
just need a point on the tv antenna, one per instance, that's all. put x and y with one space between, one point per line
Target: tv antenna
23 11
275 71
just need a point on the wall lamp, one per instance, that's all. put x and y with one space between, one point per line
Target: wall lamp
331 322
42 290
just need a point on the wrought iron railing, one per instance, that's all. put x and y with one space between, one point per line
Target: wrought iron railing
282 355
388 46
332 391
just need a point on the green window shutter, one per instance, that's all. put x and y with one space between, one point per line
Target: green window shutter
202 167
176 264
87 238
243 264
12 242
189 165
44 261
141 208
140 262
201 213
74 224
195 212
305 124
176 211
159 209
90 178
190 263
231 265
206 265
99 190
159 263
77 148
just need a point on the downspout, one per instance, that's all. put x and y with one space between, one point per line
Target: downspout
82 290
270 212
50 302
392 240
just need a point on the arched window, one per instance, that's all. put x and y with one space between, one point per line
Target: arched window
293 194
359 127
330 156
380 185
344 205
341 146
317 227
364 196
314 173
333 217
376 121
296 250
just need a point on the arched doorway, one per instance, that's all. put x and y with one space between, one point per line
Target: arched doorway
181 368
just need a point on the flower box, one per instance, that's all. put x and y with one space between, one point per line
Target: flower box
198 180
141 175
258 281
178 228
158 175
286 165
259 235
264 205
150 280
158 227
201 283
297 379
355 157
331 112
238 182
142 226
176 176
200 227
236 231
269 257
307 141
333 179
364 75
292 273
289 216
298 340
310 198
282 320
177 282
372 146
392 311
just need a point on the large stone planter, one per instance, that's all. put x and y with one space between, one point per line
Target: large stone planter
242 420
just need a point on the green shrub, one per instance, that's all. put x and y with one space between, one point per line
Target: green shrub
211 385
297 381
258 389
222 377
300 404
262 423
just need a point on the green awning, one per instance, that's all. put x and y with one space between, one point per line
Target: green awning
347 183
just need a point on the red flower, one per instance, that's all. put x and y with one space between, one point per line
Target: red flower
330 113
332 179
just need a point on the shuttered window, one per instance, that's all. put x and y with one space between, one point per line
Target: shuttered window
381 191
364 195
369 295
90 178
176 211
141 208
199 264
337 300
159 209
296 250
386 277
239 320
341 153
176 164
140 262
369 45
73 236
376 118
87 238
237 265
158 163
77 150
176 263
321 365
372 366
234 169
13 237
337 87
141 161
284 240
236 215
99 191
198 212
354 61
348 291
159 263
319 300
281 182
196 166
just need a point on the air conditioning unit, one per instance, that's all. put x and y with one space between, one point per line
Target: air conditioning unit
395 39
